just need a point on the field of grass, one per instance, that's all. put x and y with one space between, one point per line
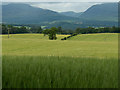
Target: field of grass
38 45
102 37
83 61
59 72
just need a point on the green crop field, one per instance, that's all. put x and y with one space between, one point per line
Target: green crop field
82 61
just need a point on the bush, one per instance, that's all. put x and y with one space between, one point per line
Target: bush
64 38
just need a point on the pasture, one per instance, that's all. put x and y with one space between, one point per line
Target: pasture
83 61
94 45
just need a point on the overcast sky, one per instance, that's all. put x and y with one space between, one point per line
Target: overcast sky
63 5
59 0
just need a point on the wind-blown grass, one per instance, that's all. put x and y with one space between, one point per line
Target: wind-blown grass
59 72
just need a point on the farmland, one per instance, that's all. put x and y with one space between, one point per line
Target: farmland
38 45
82 61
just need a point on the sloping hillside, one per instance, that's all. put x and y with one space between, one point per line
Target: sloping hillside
26 14
102 12
96 37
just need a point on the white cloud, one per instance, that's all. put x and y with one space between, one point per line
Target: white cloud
62 7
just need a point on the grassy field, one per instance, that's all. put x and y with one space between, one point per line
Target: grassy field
83 61
38 45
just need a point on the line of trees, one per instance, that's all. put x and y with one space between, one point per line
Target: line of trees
26 29
13 30
98 30
51 32
38 29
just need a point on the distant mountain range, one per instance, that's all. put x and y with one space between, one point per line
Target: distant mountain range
26 14
97 15
71 14
102 12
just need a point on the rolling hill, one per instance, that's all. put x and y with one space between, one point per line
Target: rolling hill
102 12
26 14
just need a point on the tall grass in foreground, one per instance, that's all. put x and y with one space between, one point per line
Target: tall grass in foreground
59 72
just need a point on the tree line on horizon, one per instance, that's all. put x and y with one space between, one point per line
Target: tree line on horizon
51 32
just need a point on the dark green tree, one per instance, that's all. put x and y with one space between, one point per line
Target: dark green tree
45 32
52 33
